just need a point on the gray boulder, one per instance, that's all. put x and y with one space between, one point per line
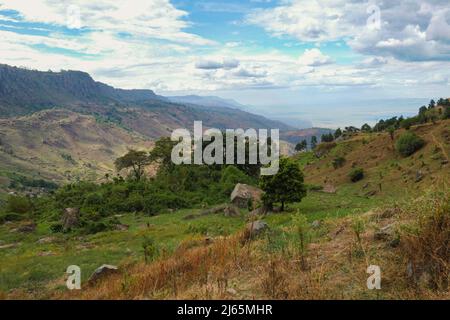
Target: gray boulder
244 193
102 272
255 228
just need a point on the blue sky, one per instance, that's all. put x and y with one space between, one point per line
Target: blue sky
302 61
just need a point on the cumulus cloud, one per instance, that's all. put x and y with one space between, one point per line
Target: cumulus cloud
314 58
408 30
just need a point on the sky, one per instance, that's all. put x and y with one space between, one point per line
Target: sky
307 62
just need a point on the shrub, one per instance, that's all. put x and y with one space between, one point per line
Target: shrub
10 217
408 143
338 162
356 174
56 228
18 204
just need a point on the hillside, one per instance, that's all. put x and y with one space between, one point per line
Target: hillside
25 91
61 145
319 248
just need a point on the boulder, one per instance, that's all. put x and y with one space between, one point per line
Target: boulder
26 228
231 211
255 228
46 240
102 272
244 193
316 224
70 218
261 211
122 227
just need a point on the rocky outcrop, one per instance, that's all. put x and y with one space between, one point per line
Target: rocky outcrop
244 194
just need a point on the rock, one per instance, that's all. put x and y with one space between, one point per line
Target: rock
190 217
256 227
261 211
386 233
329 188
46 240
243 194
102 272
231 211
371 193
70 218
26 228
231 291
316 224
122 227
419 176
8 246
45 254
365 186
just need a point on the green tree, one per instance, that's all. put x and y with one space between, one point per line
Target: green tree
408 143
366 128
337 133
301 146
136 160
286 186
162 154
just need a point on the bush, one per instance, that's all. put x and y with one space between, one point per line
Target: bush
408 143
338 162
10 217
18 204
356 174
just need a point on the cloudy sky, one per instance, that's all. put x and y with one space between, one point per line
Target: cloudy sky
324 62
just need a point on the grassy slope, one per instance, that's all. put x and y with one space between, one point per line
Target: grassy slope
25 268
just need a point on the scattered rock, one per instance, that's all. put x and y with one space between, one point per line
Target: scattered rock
371 193
45 254
190 217
8 246
316 224
231 291
122 227
46 240
386 233
102 272
388 213
26 228
419 176
329 188
244 193
365 186
231 211
255 228
261 211
70 218
444 162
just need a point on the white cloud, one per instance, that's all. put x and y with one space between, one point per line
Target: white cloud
314 58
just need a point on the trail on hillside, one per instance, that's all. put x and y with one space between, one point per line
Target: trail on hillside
440 146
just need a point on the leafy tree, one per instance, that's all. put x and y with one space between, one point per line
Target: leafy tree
338 162
432 104
337 133
286 186
366 128
408 143
313 142
136 160
162 153
301 146
446 114
328 137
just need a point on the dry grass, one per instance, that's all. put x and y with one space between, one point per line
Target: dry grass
337 263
